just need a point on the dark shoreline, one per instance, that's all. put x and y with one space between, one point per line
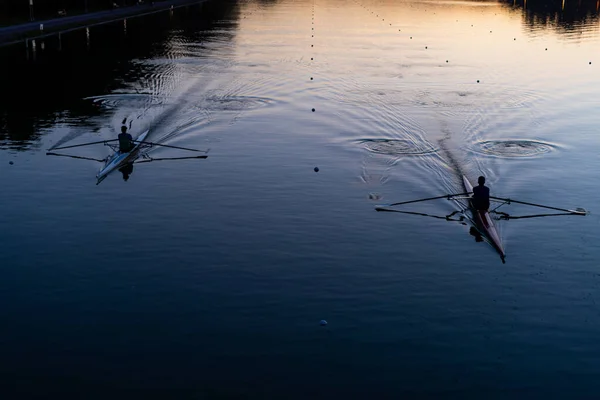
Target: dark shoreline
14 34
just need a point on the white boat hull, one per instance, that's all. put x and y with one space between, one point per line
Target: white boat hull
118 159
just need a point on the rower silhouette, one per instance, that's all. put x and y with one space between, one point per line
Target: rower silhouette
481 202
126 170
126 143
481 195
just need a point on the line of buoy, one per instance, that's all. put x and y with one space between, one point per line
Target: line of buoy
316 169
400 30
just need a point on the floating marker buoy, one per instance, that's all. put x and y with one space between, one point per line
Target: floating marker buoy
546 49
411 37
311 58
477 80
590 63
446 60
425 46
323 322
316 169
311 78
313 110
11 163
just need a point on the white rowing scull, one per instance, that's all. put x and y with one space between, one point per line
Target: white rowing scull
119 159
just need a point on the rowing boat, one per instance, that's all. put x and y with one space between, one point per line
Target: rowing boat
484 223
481 220
118 159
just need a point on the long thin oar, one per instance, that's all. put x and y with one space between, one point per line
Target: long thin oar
84 144
71 156
447 217
447 196
506 217
169 158
172 147
508 201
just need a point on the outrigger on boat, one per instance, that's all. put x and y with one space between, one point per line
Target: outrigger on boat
481 220
118 159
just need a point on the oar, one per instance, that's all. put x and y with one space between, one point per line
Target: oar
172 147
447 217
168 158
508 201
447 196
71 156
506 217
84 144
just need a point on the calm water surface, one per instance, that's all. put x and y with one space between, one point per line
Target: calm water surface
208 278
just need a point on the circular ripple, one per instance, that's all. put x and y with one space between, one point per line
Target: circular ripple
514 148
113 101
238 103
397 147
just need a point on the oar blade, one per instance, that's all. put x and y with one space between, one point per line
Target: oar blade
580 211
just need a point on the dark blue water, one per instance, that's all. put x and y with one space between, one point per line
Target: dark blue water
208 278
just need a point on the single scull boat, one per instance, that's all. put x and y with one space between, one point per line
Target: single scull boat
118 159
484 223
480 220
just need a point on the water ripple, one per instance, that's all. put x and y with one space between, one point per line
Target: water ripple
397 147
514 148
118 100
238 103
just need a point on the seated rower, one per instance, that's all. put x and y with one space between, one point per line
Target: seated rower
481 195
126 143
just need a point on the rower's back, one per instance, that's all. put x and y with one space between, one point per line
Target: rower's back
481 195
125 140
